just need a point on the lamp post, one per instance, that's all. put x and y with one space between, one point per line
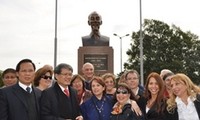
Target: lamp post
141 47
55 39
120 37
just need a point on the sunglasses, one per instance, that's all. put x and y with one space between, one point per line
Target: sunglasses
46 77
122 92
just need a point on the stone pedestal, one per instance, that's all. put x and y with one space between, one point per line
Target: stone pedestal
100 56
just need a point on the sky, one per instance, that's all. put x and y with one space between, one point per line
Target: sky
27 27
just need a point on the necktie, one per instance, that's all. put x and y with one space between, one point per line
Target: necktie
28 89
66 91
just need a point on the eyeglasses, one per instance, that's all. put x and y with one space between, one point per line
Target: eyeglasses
46 77
122 92
132 78
9 77
66 74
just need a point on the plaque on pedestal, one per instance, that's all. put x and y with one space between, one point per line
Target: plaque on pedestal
100 56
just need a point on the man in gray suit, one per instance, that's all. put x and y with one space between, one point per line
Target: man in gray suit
21 100
95 38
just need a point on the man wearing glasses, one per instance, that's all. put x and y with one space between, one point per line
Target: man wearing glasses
132 80
59 102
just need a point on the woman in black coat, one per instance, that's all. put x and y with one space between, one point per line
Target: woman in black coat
153 103
122 109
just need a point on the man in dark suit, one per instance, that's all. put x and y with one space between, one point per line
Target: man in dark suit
95 38
20 101
60 102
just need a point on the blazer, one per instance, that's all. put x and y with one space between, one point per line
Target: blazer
50 105
95 109
152 114
175 116
13 105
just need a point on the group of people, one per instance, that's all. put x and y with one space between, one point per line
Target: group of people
57 94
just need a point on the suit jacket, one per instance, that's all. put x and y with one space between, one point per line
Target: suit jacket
91 41
141 91
13 105
50 103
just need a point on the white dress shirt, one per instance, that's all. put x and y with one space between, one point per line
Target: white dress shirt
186 112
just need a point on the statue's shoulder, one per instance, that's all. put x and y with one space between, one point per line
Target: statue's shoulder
87 37
105 37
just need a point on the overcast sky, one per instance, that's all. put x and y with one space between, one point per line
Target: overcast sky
27 26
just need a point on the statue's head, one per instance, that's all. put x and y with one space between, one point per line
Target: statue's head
94 18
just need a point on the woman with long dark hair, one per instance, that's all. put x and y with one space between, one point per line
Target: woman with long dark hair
153 103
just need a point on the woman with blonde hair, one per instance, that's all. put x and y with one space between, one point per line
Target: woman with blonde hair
184 102
109 80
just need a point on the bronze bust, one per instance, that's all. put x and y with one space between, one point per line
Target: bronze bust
95 38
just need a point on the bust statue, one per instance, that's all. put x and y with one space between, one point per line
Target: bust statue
95 38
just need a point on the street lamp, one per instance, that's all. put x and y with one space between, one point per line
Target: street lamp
55 39
141 47
120 37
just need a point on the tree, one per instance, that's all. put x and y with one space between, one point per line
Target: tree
1 79
165 47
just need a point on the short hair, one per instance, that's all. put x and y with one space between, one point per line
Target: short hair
40 72
87 63
167 75
107 75
131 71
58 68
8 70
24 61
164 71
77 76
98 80
124 85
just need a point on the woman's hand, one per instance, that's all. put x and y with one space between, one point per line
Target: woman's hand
79 118
136 108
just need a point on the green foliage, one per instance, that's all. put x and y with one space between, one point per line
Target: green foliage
165 47
1 80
